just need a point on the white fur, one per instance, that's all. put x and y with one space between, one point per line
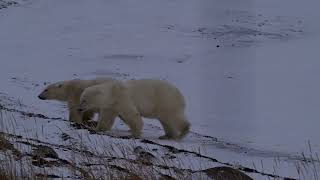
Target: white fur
69 91
134 99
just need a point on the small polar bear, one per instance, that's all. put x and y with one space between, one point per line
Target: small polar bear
70 91
134 99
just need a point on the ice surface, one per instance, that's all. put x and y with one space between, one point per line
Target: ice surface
248 69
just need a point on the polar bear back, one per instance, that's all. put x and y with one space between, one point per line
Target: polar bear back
155 97
79 84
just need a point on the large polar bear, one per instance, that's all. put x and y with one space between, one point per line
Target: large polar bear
70 91
132 99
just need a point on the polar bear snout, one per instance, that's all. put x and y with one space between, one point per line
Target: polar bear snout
42 97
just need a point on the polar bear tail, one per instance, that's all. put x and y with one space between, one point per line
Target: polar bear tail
184 129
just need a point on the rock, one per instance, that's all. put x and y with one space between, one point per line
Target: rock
44 152
166 177
40 162
47 176
226 173
133 177
5 144
143 156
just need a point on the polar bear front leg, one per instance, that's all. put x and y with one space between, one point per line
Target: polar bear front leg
106 120
75 116
132 118
88 115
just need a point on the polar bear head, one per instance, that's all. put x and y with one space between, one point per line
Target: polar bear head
55 91
97 97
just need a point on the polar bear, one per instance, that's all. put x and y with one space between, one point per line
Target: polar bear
69 91
133 99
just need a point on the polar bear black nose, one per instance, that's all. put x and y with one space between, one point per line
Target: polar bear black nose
41 97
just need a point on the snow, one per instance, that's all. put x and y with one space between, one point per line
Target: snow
248 69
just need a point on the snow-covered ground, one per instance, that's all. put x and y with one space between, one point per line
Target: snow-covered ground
248 70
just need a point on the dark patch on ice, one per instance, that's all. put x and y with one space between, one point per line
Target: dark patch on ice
65 136
183 59
109 73
235 32
5 99
244 29
239 35
6 3
123 57
25 83
170 27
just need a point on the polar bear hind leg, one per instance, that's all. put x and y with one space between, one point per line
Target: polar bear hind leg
169 128
184 126
175 126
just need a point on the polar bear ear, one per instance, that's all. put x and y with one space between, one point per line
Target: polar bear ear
58 85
